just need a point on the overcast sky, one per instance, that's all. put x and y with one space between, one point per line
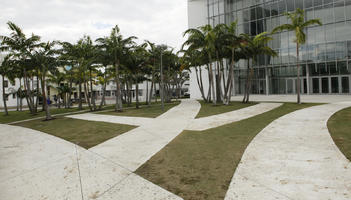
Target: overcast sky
160 21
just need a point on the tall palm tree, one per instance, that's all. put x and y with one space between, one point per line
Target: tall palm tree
116 46
203 39
45 58
138 58
57 78
21 47
195 58
5 71
232 42
298 25
253 47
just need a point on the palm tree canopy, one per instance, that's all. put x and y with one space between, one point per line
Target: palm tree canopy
298 24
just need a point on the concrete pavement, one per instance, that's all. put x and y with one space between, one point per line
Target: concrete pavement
294 158
213 121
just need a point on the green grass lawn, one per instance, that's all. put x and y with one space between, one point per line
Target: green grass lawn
24 115
144 111
208 109
84 133
339 126
200 164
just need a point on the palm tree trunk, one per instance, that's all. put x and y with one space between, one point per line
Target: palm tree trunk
21 102
118 107
38 94
247 82
27 89
150 95
47 109
199 83
103 96
70 92
80 106
298 73
137 94
92 92
212 82
86 91
4 95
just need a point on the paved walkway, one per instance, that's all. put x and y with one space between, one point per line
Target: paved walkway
135 121
213 121
334 98
135 147
40 166
294 158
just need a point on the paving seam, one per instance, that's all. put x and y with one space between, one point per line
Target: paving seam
80 178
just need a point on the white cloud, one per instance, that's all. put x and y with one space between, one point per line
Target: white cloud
160 21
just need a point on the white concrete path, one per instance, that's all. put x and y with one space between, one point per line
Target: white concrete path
135 147
213 121
294 158
135 121
334 98
36 166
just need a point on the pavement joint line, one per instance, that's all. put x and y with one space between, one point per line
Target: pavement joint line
114 185
255 181
118 164
80 178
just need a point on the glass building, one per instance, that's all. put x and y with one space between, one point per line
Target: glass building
325 58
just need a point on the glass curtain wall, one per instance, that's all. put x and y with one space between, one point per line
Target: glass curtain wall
325 58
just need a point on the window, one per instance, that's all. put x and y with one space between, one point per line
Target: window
274 9
330 33
349 49
14 96
317 2
342 65
323 69
6 83
339 11
299 4
328 14
332 68
282 7
308 3
290 5
340 50
348 7
267 10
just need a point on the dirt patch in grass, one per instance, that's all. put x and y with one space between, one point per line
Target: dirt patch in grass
200 164
84 133
208 109
339 126
151 111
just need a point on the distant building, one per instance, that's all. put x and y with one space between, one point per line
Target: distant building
325 58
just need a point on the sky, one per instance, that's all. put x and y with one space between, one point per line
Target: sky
160 21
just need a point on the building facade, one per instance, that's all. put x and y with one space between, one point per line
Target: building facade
325 58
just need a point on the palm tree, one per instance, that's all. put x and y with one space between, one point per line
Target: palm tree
203 39
232 42
21 48
298 25
5 71
44 57
195 58
252 47
57 78
116 47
